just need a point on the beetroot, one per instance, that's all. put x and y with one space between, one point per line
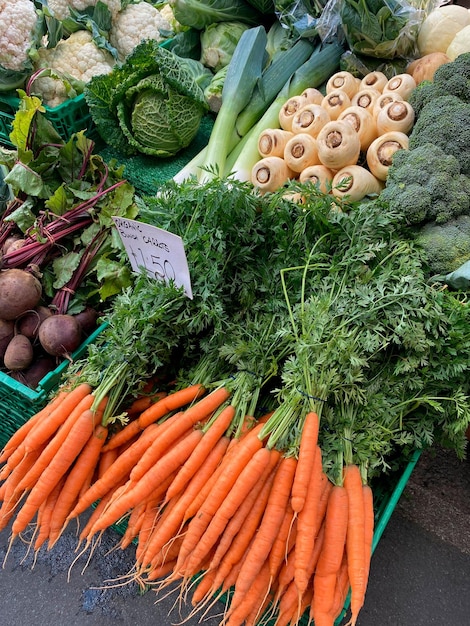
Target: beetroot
19 353
60 335
19 291
7 328
28 323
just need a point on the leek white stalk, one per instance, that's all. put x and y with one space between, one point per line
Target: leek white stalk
313 72
245 69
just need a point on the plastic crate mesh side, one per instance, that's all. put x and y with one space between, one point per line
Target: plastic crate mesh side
14 412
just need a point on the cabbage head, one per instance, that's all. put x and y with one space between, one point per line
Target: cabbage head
149 104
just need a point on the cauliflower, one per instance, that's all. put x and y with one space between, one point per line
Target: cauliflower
60 8
136 23
18 23
77 57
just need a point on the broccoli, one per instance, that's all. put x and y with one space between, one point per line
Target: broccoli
450 79
445 122
425 184
445 246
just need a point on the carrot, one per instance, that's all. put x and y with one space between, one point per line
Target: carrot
240 516
22 432
134 524
204 587
156 475
307 448
97 511
106 460
44 520
279 550
54 444
269 527
142 403
12 496
211 436
70 449
342 588
355 538
307 523
232 450
173 522
116 472
331 554
49 426
248 477
163 406
247 448
86 459
290 611
188 418
253 599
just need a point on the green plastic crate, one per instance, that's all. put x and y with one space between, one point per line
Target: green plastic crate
18 402
67 118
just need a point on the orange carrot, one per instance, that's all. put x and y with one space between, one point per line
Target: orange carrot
355 538
86 459
12 496
188 418
98 510
211 436
307 523
307 448
279 551
49 426
240 516
44 521
219 517
54 444
116 472
156 475
269 527
342 588
106 460
70 449
247 448
163 406
253 599
170 525
22 432
331 554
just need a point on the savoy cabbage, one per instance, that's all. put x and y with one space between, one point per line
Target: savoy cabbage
149 104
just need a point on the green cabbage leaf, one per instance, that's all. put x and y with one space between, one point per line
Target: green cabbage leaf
150 104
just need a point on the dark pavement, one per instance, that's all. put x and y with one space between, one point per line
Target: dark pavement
420 573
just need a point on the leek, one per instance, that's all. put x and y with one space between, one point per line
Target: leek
320 66
244 71
265 91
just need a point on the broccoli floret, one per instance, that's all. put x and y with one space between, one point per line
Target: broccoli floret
445 122
450 79
445 246
425 184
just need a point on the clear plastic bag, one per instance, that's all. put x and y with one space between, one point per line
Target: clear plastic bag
384 29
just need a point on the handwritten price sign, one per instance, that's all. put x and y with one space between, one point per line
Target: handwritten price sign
157 251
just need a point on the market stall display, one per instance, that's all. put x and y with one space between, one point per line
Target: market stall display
249 426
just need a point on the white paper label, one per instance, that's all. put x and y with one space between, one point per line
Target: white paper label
157 251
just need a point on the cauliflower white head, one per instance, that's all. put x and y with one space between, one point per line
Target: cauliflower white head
61 8
77 56
18 19
134 24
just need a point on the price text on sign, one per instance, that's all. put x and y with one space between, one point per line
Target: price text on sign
157 251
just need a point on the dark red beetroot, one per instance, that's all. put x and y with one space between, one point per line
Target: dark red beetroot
7 328
28 324
40 367
60 335
19 291
87 320
19 353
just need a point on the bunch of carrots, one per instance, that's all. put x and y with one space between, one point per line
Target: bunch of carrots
265 524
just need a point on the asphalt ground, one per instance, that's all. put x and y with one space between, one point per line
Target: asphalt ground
420 573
